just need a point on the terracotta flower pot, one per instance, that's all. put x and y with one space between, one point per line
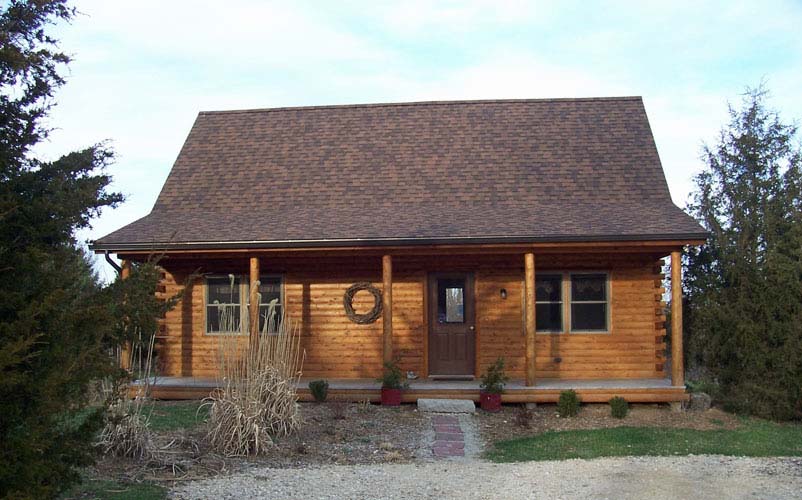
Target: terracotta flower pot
490 401
391 397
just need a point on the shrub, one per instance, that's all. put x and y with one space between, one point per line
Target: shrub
257 400
619 408
493 379
568 405
319 390
392 376
523 418
339 409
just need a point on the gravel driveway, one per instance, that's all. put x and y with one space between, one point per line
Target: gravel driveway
615 478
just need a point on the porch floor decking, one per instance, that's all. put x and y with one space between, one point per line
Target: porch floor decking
652 390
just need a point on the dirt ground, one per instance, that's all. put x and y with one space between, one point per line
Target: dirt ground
506 424
333 433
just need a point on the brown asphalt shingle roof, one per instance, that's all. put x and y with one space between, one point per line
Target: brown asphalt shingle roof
466 171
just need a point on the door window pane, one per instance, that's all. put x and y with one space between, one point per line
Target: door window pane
450 301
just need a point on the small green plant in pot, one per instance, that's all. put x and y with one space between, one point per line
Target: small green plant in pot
393 382
493 381
319 390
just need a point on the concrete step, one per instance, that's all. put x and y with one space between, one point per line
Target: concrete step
446 405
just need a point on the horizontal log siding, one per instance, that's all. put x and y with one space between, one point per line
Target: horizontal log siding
632 349
338 348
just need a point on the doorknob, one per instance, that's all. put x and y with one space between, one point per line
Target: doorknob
471 328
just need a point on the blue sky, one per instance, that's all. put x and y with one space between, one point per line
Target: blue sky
142 70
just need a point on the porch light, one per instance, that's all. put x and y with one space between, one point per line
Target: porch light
503 293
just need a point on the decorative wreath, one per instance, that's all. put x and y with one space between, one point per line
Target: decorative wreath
348 302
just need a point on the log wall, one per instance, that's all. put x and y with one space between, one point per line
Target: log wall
338 348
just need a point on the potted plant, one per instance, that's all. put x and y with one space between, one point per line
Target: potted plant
492 386
393 383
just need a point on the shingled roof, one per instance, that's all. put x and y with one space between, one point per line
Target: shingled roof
414 173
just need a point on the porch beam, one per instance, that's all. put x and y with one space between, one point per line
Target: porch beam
529 287
677 361
253 299
125 351
387 308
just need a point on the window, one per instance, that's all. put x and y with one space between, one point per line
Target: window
228 298
223 304
549 303
589 302
270 303
451 300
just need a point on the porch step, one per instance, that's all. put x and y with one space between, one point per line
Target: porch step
446 405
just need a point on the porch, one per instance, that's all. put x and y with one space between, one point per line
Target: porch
643 390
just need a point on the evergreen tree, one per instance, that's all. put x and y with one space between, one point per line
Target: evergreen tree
56 321
744 287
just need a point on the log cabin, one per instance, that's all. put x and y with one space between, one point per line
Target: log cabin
533 230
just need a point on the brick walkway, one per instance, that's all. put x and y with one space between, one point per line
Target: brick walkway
449 440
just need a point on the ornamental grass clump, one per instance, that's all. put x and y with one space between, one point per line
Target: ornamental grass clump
126 430
257 396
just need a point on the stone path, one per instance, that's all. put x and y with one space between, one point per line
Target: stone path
449 440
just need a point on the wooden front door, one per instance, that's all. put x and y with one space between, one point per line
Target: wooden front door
451 324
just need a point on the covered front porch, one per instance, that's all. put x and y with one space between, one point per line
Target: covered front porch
646 390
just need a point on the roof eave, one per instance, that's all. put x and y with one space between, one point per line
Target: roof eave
691 238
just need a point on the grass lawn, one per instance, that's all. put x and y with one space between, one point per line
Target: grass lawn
168 416
754 438
111 490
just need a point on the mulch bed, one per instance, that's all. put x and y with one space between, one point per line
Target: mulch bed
332 433
506 424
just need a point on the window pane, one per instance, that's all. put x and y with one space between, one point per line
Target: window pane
588 287
271 316
549 317
270 288
223 318
223 290
548 288
589 317
450 301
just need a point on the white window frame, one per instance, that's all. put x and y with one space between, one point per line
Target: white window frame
244 294
608 302
242 310
567 320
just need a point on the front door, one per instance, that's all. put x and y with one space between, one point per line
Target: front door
451 324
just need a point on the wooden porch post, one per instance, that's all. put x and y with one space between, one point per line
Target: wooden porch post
529 287
125 352
677 361
253 306
387 308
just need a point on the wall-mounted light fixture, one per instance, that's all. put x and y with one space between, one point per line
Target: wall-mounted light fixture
503 293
